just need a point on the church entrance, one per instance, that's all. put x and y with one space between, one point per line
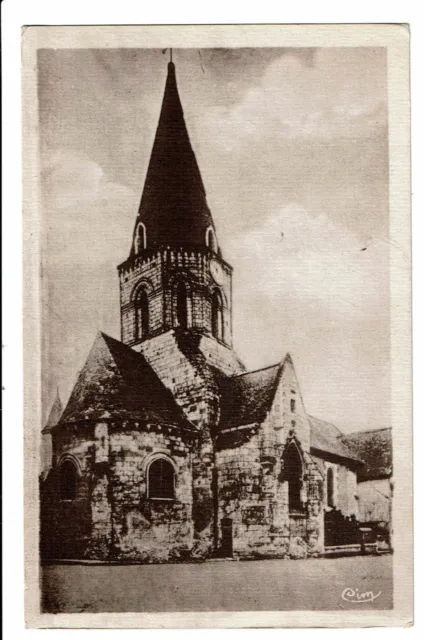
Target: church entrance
226 549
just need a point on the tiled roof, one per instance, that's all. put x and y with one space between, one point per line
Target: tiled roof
327 438
117 382
375 449
246 398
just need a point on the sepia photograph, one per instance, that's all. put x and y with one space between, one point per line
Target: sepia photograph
216 276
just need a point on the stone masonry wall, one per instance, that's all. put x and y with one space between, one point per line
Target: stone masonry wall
112 516
177 360
252 494
159 272
144 528
149 272
66 524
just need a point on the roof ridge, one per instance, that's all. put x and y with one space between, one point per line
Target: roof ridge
245 373
352 433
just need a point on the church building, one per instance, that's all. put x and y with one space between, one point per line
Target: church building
168 449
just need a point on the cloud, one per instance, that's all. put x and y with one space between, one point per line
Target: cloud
305 256
70 178
78 195
344 103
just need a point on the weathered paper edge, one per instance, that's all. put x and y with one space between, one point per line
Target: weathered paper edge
396 39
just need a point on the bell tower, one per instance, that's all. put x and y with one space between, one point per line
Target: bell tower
175 276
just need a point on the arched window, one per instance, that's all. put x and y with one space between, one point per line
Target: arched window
211 239
161 480
140 237
68 480
331 502
182 306
142 314
292 473
217 316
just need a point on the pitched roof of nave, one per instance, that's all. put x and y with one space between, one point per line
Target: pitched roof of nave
173 205
248 397
116 382
327 438
374 447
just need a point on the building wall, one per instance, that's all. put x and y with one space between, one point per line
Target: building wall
345 486
374 498
144 528
253 495
147 270
112 516
66 526
181 360
159 272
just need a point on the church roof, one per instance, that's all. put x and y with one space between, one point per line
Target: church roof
116 382
173 206
327 438
246 398
55 413
375 449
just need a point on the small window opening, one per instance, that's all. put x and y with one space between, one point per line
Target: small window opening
217 316
211 239
292 473
182 306
161 480
331 502
68 480
140 237
142 314
292 405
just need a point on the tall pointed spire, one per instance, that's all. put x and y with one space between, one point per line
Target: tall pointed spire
173 208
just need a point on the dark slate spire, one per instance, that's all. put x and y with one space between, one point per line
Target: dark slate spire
173 206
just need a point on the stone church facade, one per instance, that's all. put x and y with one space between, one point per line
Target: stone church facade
168 449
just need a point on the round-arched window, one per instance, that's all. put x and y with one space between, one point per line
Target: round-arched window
331 502
292 473
68 478
142 314
211 239
161 479
217 316
182 305
140 240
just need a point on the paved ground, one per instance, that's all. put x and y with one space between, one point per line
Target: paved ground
262 585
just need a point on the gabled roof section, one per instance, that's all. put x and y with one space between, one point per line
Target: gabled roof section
246 398
173 206
327 438
116 382
55 413
375 449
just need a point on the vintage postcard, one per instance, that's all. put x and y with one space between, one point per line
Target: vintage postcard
217 326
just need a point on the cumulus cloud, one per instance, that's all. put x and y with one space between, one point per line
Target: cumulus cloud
70 178
297 100
78 195
296 253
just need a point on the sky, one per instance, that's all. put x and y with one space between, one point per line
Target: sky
292 145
